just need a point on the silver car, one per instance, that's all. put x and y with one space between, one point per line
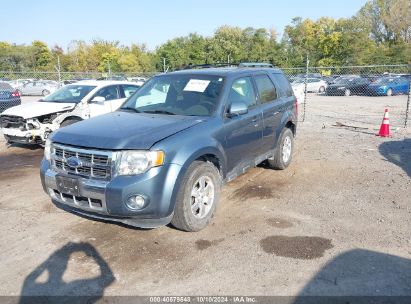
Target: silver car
38 88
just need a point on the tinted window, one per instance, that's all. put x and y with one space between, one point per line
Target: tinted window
129 90
5 87
283 84
266 88
242 90
109 93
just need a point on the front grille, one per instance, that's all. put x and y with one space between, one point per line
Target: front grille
94 163
9 121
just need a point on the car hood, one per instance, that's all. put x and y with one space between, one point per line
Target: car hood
123 130
38 108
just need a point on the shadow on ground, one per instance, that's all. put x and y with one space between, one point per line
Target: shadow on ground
53 288
360 276
399 153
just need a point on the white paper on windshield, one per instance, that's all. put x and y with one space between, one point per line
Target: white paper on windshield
197 85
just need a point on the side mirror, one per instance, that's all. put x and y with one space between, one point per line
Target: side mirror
237 109
98 99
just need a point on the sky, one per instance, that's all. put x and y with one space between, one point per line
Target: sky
152 22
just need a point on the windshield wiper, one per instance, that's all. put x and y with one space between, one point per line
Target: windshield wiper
159 112
130 109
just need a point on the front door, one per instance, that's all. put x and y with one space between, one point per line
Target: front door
110 94
243 132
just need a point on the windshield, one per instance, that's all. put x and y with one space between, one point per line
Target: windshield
190 95
72 93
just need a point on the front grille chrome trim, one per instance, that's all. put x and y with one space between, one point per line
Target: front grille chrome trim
96 164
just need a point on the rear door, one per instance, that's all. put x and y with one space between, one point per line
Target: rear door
272 108
243 132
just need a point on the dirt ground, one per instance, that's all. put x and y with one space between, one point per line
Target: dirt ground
336 222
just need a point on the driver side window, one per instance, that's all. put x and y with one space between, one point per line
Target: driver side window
242 90
109 93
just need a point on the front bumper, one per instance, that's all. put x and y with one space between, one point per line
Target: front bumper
101 199
23 137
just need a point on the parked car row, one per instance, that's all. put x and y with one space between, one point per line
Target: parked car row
40 87
347 85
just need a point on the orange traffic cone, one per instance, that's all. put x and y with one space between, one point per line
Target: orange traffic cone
385 125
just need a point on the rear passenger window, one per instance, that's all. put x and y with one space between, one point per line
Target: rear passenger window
266 88
242 91
283 84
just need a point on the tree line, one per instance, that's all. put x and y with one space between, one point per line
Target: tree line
380 33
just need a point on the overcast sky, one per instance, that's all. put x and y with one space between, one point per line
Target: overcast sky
152 22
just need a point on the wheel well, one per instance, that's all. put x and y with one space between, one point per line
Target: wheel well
212 159
290 125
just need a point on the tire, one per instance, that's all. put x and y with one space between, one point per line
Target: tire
69 121
347 92
286 141
321 90
187 216
45 92
390 92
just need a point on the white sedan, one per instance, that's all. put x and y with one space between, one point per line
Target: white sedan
31 123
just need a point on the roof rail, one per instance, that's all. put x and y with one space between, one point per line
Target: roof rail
255 65
209 65
226 64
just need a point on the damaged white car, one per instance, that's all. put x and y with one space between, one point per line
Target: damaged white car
31 123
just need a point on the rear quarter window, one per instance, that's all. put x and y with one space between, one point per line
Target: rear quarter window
283 84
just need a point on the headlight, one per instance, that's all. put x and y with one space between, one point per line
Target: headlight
137 162
47 149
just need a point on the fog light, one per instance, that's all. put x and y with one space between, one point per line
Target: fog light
136 202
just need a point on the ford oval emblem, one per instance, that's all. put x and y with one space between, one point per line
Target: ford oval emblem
73 162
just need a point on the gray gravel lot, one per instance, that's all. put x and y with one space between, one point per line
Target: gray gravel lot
336 222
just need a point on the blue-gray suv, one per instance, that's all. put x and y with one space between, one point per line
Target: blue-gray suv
164 155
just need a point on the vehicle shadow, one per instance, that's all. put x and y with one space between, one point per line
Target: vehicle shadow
53 288
399 153
360 276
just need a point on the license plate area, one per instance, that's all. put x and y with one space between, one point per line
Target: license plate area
68 185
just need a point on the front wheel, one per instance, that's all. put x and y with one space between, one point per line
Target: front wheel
197 197
321 90
347 92
284 151
389 92
45 92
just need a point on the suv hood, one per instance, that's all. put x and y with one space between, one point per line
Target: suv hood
38 108
123 130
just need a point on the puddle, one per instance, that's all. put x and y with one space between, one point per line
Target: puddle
297 247
204 244
279 223
247 192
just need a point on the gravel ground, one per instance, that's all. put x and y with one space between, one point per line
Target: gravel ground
336 222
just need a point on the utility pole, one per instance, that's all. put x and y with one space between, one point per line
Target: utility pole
228 58
58 69
164 64
305 85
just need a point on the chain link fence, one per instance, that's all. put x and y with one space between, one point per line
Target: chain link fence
351 93
355 94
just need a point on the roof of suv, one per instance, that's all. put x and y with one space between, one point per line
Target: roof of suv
226 71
